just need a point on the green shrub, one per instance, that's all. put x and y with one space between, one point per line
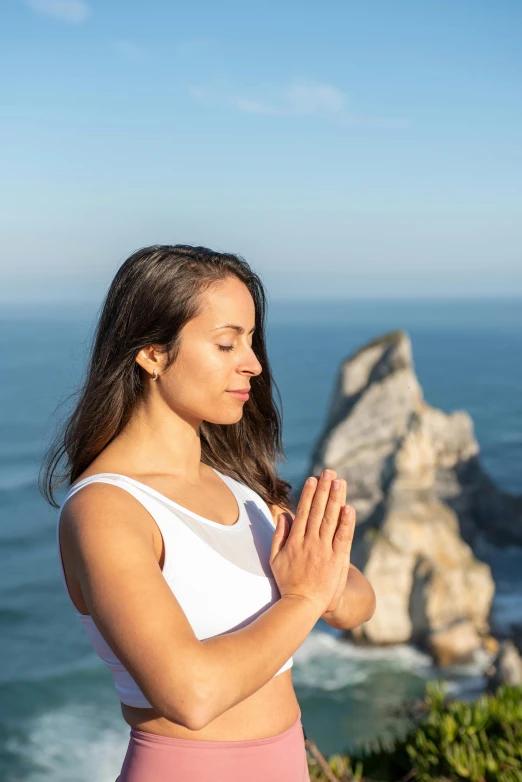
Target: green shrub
475 741
479 740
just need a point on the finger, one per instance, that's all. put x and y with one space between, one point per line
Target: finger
350 539
298 528
319 502
331 512
343 502
287 524
343 538
343 498
278 536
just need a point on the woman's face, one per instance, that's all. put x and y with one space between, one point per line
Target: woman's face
214 358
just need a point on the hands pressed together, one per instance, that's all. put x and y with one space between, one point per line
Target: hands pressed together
310 556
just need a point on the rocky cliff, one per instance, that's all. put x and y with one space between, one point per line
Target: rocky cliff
422 500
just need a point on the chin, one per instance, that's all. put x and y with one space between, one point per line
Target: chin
230 418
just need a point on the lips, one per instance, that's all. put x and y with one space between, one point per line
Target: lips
239 394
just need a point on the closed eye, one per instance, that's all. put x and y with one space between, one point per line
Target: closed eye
226 347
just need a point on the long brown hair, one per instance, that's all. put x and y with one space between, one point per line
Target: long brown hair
155 292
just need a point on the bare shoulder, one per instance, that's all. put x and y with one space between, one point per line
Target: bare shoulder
99 509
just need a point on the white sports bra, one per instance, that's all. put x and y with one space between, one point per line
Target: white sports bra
220 574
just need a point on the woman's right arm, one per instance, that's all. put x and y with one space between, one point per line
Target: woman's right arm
191 682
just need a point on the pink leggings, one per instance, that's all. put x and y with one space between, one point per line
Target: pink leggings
279 758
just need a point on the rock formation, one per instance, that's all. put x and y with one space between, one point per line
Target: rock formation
421 498
506 667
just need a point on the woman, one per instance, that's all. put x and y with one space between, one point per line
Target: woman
166 535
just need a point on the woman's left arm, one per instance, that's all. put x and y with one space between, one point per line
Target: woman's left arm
357 602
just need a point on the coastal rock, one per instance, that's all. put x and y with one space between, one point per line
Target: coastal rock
422 499
382 436
507 666
491 645
370 414
430 588
454 645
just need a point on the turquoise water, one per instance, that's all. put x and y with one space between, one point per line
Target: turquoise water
59 716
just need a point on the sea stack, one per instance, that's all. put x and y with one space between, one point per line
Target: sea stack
422 500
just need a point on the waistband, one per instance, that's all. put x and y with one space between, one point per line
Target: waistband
155 738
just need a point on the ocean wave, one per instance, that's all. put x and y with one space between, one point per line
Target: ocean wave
482 659
74 742
330 662
466 688
58 673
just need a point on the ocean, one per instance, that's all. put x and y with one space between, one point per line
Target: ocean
59 715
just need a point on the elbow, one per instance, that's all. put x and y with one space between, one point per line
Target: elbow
372 603
369 604
198 716
192 713
194 710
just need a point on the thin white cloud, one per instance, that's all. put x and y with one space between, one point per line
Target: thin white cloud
128 49
300 98
306 98
73 11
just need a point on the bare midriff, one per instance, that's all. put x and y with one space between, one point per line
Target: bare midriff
267 712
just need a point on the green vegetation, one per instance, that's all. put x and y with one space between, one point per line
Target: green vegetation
448 741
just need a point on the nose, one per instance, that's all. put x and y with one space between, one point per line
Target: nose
251 365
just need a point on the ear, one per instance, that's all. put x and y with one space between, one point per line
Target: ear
149 358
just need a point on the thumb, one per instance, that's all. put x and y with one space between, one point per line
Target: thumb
278 538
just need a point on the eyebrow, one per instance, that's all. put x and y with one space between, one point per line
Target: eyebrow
239 329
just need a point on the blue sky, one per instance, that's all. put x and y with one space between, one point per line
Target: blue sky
356 148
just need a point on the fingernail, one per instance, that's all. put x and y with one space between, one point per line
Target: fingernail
336 484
